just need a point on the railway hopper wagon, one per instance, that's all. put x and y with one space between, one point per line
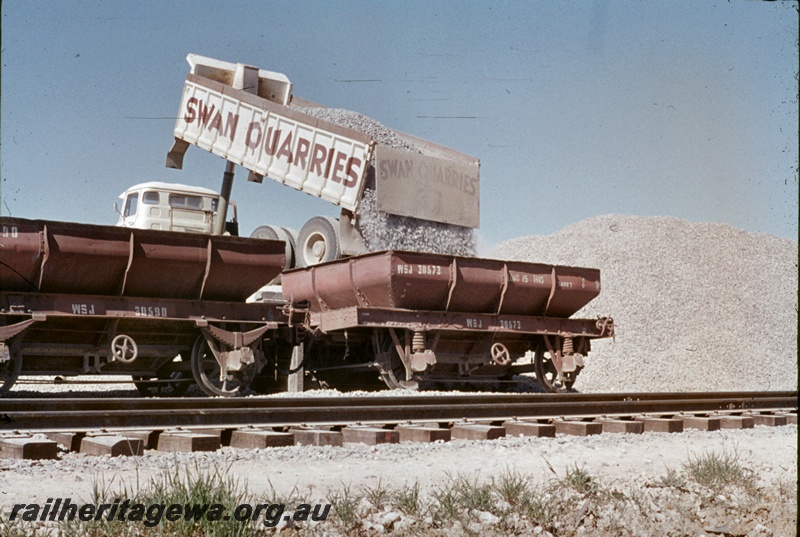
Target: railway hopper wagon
426 320
171 309
79 299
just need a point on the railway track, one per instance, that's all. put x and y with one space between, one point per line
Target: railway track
45 415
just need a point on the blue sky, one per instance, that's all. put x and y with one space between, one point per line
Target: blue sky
576 109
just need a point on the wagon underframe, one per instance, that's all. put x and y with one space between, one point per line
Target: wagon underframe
151 339
414 348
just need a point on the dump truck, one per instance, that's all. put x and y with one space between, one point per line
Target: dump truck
251 118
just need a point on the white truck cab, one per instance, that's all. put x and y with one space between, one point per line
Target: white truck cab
170 207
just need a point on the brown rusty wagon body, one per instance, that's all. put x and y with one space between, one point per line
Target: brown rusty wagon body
428 319
85 299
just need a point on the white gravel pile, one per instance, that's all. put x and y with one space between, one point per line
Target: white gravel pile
698 306
383 231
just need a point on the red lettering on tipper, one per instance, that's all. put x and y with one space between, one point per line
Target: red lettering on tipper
328 163
338 166
253 140
191 113
301 155
271 141
216 123
286 148
204 112
352 172
210 118
230 125
317 159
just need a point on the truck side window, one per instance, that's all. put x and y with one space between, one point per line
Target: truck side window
185 202
150 198
214 204
131 204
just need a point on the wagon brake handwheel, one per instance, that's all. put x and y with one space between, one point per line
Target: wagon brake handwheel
124 349
500 354
546 372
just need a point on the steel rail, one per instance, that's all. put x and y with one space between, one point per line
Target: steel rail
197 403
124 414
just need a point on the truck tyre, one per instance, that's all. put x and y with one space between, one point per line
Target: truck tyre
292 239
265 232
318 241
276 233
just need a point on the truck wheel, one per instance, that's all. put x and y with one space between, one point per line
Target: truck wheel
318 241
292 239
275 233
265 232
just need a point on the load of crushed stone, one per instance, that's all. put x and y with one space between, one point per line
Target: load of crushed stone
698 306
361 123
383 231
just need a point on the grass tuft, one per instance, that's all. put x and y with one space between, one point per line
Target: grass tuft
672 479
718 470
445 505
345 506
407 499
511 487
579 480
473 494
541 507
378 495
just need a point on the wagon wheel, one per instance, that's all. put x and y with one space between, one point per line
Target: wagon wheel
162 389
546 372
394 375
10 368
205 370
